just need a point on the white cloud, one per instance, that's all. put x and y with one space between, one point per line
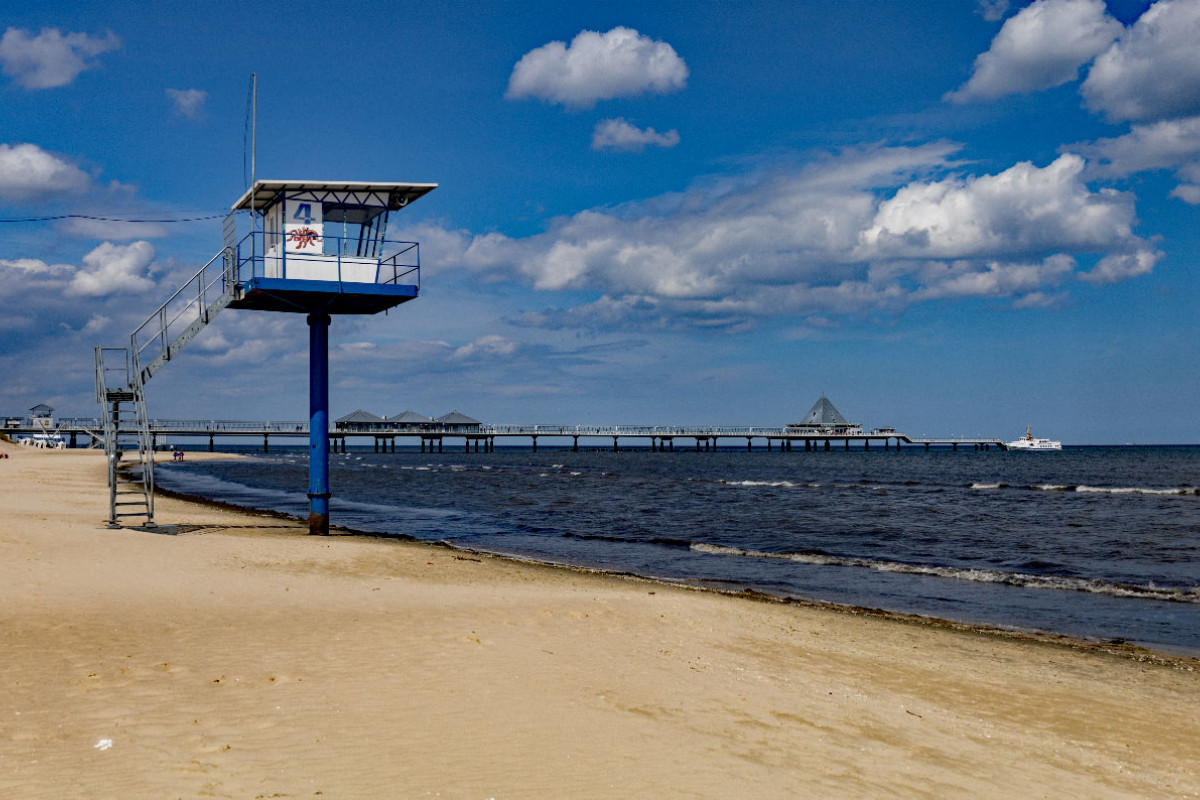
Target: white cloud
1043 46
993 279
1172 144
490 347
1188 193
35 266
112 229
50 59
1121 266
1169 144
95 324
842 235
114 268
992 10
1153 71
188 102
27 172
1025 209
597 66
619 134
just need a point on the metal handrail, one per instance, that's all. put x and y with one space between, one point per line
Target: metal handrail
200 303
396 260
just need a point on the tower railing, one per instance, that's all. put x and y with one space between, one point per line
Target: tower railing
266 254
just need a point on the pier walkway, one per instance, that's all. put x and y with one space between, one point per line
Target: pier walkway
88 432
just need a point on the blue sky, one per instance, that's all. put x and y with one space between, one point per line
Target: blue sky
950 217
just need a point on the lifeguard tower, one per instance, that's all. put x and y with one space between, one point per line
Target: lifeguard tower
317 248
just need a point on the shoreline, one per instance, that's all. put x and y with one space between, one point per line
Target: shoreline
1183 659
243 657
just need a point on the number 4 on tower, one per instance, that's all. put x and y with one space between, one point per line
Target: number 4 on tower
304 213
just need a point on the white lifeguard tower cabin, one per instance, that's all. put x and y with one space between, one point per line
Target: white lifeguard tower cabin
321 246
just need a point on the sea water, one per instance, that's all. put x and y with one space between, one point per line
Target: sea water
1097 542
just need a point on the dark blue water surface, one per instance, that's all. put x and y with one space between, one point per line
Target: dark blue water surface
1099 542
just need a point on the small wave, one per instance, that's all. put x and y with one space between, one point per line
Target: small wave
1135 490
664 541
1055 487
1018 579
777 484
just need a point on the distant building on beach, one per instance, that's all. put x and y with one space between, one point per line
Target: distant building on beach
42 416
823 417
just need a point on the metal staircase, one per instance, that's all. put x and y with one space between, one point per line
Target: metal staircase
126 436
122 372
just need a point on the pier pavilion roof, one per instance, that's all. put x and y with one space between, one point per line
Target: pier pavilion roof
410 418
456 418
823 414
360 416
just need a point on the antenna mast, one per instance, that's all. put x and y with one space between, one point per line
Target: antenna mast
253 135
254 124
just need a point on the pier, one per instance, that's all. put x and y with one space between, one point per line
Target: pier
88 432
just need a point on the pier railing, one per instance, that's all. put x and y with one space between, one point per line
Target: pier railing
298 428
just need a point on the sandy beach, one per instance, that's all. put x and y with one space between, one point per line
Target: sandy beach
232 655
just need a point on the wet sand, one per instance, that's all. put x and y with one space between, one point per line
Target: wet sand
240 657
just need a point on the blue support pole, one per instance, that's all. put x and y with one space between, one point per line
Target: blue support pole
318 424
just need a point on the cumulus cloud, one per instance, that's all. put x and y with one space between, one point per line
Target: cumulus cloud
848 233
620 134
50 59
114 268
1153 71
1121 266
597 66
1169 144
1024 209
188 102
1043 46
27 172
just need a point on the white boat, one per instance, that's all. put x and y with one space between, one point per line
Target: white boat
1031 442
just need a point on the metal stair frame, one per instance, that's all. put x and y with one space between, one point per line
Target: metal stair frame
121 379
126 431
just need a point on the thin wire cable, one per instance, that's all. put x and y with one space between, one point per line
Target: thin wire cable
109 219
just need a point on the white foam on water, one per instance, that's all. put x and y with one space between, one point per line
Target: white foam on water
1148 591
776 484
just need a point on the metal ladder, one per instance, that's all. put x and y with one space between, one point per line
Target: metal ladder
121 380
127 439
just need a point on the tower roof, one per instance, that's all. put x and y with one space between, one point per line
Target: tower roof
264 193
823 413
